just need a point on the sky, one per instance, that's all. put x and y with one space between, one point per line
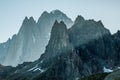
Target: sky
12 12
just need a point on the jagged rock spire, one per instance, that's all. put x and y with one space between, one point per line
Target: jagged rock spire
79 19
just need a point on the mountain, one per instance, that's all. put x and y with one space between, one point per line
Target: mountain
59 56
58 59
22 45
116 37
46 21
92 39
84 31
87 48
31 39
59 40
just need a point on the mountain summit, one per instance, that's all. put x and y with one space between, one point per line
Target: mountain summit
31 39
85 49
79 19
59 40
87 29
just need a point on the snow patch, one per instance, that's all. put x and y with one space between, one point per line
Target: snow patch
16 71
41 61
33 68
77 78
36 69
107 70
41 70
118 67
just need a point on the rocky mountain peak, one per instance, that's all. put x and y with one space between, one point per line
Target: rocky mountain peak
59 31
56 12
57 25
25 21
100 22
28 21
82 50
117 36
56 22
28 25
31 19
84 31
45 13
118 32
79 19
59 39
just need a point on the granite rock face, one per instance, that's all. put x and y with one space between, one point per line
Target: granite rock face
24 45
31 40
85 49
59 61
46 21
84 31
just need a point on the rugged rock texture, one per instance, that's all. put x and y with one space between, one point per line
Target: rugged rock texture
113 76
85 49
46 21
116 37
31 39
5 71
59 40
24 45
99 76
59 56
58 62
104 76
84 31
94 44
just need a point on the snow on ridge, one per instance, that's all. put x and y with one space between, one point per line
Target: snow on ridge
33 68
41 70
77 78
118 67
107 70
36 69
41 61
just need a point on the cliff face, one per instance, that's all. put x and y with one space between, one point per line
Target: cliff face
84 31
45 24
23 45
85 49
59 58
30 42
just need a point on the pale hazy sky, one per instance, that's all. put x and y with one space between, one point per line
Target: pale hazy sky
12 12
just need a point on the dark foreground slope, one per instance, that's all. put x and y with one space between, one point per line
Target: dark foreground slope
104 76
85 49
